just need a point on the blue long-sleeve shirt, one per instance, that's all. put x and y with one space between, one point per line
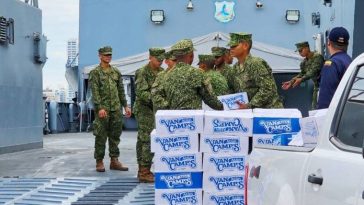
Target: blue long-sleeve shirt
331 74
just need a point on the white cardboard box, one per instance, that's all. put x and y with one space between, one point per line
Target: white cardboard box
179 121
276 140
238 122
223 183
178 162
320 116
178 180
275 126
224 163
224 144
178 143
310 129
178 196
229 101
236 198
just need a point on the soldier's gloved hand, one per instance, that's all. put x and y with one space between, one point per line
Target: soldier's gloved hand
297 82
286 85
242 105
102 113
127 112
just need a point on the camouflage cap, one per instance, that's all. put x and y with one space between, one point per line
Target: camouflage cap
182 47
168 55
206 58
236 38
302 45
218 51
158 53
106 50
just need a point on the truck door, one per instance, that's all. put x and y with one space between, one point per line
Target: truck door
335 169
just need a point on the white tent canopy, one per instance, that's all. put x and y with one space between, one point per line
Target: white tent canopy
281 60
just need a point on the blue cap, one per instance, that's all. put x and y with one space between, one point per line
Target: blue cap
339 35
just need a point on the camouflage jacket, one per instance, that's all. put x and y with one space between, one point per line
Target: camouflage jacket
218 82
311 68
107 89
226 71
184 88
255 77
158 91
144 79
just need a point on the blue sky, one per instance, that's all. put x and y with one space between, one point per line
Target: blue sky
60 23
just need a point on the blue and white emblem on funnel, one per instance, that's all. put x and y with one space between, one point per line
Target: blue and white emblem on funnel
224 11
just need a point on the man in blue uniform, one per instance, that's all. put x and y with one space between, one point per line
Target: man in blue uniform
334 68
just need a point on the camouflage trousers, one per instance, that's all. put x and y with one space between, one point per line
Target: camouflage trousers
314 97
145 119
108 128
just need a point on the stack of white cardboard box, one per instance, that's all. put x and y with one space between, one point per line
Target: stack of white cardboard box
177 160
200 156
225 146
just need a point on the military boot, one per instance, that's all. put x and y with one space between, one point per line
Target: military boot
149 172
144 175
116 165
100 165
139 172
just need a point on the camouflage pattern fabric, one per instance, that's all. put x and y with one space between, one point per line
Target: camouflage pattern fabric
236 38
205 58
107 93
110 129
226 71
311 69
255 77
184 88
218 82
157 90
106 50
107 89
302 45
182 47
143 110
218 51
158 53
168 55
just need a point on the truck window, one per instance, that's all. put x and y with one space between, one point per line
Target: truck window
351 130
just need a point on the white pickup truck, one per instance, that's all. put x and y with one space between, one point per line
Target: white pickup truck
332 173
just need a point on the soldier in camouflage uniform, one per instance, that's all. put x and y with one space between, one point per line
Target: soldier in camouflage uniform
252 75
221 55
170 60
185 87
218 81
108 96
143 110
310 69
